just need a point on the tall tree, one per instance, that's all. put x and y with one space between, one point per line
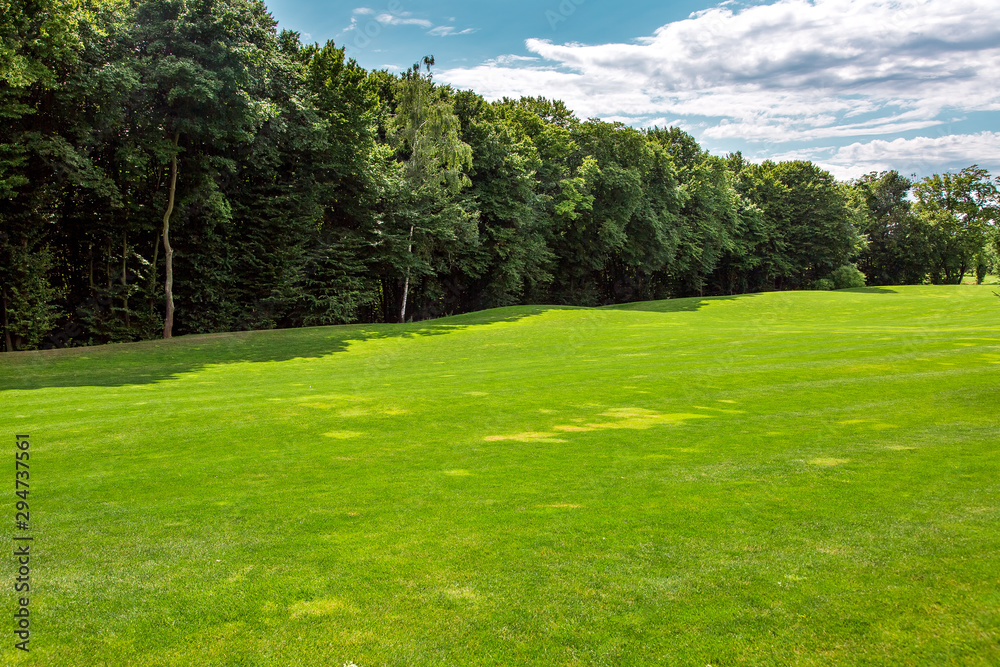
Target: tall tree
709 217
426 211
512 258
897 243
39 51
815 227
204 68
332 281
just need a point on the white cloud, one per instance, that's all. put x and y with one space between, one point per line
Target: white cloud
448 31
370 28
919 155
510 59
792 70
402 19
922 155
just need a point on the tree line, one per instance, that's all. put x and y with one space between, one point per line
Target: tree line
179 166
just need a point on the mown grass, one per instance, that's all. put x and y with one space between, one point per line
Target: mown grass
791 478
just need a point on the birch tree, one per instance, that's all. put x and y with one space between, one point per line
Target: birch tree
425 133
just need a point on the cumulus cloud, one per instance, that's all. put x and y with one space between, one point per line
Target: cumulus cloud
793 70
919 155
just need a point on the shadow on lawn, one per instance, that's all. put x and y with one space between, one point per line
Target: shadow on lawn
688 304
871 290
693 303
154 361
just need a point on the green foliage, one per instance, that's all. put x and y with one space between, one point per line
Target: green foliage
426 232
962 213
847 276
824 284
898 247
39 43
815 227
987 261
512 259
28 300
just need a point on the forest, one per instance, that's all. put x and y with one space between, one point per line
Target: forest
171 167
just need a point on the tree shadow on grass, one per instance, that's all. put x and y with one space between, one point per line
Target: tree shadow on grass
688 304
154 361
870 290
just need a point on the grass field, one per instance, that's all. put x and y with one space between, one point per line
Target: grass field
787 478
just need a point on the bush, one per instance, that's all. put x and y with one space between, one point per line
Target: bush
847 277
823 284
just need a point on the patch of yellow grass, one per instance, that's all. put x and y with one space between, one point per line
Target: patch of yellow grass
342 435
352 412
532 436
464 593
624 418
319 608
828 462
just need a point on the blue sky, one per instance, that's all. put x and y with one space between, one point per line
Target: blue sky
854 85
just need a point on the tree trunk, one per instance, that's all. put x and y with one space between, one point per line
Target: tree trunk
125 277
168 252
406 282
152 274
406 289
6 326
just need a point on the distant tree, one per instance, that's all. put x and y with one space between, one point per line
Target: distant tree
815 227
27 297
963 212
987 262
897 247
323 180
754 261
614 229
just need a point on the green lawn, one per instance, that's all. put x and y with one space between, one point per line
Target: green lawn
787 478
